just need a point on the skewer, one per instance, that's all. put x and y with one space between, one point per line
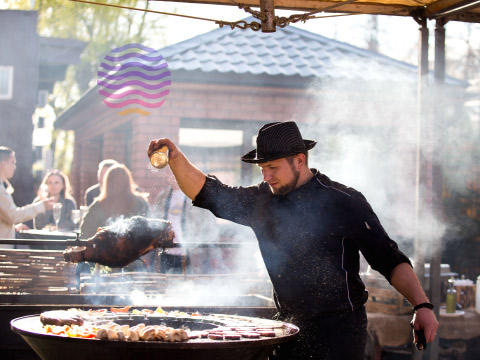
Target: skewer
78 242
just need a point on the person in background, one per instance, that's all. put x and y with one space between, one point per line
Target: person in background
10 214
93 191
172 204
118 198
56 185
311 231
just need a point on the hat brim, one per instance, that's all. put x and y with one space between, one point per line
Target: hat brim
251 158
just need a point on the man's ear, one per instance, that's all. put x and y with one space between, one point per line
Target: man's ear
301 159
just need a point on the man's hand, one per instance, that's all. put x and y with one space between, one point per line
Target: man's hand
189 177
424 319
48 203
404 279
21 226
158 143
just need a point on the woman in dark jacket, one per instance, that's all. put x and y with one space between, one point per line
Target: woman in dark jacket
55 184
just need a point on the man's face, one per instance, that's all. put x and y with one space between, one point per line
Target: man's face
282 175
9 166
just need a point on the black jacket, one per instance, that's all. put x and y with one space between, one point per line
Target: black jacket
310 240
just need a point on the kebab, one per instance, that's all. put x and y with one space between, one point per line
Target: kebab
120 244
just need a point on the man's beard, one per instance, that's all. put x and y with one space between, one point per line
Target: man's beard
285 189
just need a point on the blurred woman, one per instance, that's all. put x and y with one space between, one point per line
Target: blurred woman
118 199
10 214
57 186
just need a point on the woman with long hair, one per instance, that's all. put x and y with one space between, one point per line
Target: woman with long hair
10 214
56 185
118 198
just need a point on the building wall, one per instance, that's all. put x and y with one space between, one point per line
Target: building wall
17 29
197 101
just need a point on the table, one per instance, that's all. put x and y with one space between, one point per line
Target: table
394 330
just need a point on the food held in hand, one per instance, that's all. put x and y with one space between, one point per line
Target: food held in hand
159 158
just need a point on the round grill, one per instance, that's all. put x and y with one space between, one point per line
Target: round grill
51 347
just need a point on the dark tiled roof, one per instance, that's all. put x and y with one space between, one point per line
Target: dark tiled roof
289 51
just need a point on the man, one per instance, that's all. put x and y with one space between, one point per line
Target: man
11 216
310 231
94 190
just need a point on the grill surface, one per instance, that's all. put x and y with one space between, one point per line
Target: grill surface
53 347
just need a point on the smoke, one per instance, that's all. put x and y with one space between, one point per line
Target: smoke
206 290
367 133
139 226
367 139
216 276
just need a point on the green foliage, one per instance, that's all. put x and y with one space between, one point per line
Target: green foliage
103 28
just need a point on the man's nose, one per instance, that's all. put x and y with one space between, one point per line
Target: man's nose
267 175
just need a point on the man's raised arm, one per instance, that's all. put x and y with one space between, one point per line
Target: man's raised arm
188 176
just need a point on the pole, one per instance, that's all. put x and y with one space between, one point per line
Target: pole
420 240
267 11
437 183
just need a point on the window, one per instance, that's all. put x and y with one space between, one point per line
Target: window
6 81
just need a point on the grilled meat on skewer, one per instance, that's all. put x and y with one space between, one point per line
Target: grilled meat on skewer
120 244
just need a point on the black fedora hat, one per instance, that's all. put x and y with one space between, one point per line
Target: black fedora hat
278 140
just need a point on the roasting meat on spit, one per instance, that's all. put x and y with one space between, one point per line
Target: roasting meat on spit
123 242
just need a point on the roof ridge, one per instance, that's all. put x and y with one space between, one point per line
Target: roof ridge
328 57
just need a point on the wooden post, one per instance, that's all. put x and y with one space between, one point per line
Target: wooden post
267 12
